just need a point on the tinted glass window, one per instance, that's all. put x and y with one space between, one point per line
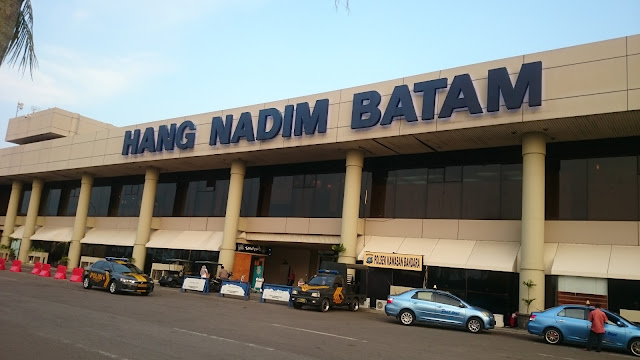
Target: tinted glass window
480 192
446 300
72 203
98 265
250 196
51 202
207 197
612 188
424 295
130 199
125 268
24 202
99 203
576 313
164 200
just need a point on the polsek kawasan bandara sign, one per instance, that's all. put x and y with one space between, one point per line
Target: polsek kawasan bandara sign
366 112
393 261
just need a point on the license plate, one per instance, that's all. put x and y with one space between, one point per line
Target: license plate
301 300
142 285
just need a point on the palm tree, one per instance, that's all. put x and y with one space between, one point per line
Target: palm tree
16 34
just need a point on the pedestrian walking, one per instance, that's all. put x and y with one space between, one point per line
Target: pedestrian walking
597 318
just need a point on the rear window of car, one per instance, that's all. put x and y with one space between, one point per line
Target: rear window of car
575 313
423 295
447 300
98 266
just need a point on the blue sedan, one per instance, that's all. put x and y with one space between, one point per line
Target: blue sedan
438 307
569 323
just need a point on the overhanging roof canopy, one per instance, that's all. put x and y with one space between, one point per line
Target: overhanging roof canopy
18 232
582 260
295 238
624 262
186 240
451 253
53 233
117 237
494 255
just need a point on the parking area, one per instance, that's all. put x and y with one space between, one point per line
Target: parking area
59 319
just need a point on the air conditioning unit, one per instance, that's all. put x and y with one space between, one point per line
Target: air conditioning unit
380 304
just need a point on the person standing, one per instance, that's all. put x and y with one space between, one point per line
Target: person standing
204 272
597 318
292 277
223 274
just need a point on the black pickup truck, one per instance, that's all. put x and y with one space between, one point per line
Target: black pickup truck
326 289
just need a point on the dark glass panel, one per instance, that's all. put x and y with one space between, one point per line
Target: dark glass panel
99 203
5 194
481 192
613 188
24 202
250 193
130 200
164 200
444 193
511 192
207 197
572 202
72 202
411 193
49 207
281 196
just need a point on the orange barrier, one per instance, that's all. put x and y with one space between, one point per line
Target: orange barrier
46 270
37 268
61 273
16 266
76 275
2 264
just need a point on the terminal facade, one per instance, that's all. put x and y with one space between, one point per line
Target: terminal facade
475 180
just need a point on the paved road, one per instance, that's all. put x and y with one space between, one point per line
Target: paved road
42 318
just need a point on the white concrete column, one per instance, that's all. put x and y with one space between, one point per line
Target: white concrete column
351 206
145 217
80 222
232 215
12 212
532 238
30 222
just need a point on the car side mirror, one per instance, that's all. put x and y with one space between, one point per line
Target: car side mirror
620 324
461 305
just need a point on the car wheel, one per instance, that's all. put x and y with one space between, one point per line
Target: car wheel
634 346
86 283
406 317
474 325
354 305
297 306
113 287
552 336
325 305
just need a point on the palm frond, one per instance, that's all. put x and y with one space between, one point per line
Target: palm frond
21 49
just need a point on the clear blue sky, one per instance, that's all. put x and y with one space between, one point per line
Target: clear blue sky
131 62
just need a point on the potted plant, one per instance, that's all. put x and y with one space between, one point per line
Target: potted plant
63 260
523 319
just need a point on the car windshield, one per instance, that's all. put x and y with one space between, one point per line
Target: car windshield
126 268
319 280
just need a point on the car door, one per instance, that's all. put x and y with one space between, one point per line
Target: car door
572 322
448 310
108 271
614 335
96 274
423 305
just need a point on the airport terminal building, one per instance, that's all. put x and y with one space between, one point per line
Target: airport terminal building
474 179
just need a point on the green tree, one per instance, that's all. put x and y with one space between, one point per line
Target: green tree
16 34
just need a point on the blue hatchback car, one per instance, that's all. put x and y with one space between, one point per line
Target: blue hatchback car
438 307
569 323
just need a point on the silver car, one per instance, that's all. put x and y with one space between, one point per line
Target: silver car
438 307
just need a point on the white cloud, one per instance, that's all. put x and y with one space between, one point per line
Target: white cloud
66 78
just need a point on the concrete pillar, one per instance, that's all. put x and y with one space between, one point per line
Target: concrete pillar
351 206
232 215
146 215
532 238
12 212
80 223
30 222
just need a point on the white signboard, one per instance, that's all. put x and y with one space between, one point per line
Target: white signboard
196 284
275 294
231 289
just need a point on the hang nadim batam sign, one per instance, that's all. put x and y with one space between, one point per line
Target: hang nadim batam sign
367 111
393 261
